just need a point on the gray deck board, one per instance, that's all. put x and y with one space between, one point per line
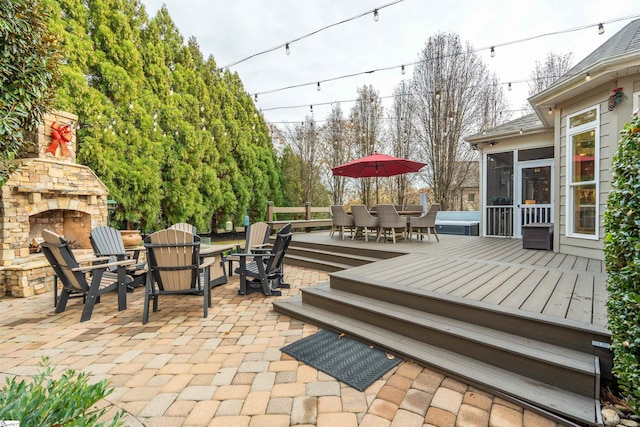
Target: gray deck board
542 292
558 303
581 306
489 270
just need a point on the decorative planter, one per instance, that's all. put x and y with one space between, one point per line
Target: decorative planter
131 237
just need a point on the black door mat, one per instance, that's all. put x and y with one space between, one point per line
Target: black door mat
348 360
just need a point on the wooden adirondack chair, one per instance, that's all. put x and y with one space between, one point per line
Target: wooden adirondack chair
75 276
184 227
257 236
265 267
107 241
175 267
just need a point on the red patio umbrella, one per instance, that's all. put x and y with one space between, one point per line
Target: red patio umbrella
377 165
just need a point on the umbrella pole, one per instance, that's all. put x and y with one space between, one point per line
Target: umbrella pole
377 190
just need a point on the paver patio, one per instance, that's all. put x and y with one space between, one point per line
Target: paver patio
227 370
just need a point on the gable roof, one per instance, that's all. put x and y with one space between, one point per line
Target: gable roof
529 124
621 53
625 41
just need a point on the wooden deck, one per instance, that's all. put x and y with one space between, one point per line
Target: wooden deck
520 323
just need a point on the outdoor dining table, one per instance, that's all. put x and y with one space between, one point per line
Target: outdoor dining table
218 275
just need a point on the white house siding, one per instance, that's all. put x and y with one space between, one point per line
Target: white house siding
611 122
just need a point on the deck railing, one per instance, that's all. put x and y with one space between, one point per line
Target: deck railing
307 216
499 221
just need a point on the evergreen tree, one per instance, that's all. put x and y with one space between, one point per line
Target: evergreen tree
28 74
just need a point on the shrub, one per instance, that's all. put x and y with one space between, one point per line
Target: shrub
622 259
68 401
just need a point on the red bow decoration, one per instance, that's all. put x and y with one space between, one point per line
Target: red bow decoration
60 135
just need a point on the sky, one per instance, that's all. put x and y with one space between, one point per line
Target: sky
232 30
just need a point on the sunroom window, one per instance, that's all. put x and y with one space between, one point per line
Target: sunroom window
583 155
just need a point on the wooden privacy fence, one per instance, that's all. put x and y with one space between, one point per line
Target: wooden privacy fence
307 216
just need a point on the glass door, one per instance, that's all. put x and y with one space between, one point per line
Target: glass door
534 194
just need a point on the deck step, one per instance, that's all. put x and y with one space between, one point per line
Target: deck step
552 364
332 255
307 262
567 333
547 399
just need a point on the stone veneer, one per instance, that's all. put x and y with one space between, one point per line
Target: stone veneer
45 191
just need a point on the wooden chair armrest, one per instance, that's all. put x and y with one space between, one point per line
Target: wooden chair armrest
103 266
86 259
207 262
254 255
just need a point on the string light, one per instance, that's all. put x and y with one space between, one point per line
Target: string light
493 52
318 87
311 108
601 28
587 76
492 48
402 70
550 111
131 105
313 33
255 97
287 50
376 17
437 94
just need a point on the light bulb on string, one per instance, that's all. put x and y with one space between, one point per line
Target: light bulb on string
170 91
402 70
509 88
587 76
311 108
201 108
255 97
376 17
131 105
286 49
601 29
493 52
550 110
318 87
437 94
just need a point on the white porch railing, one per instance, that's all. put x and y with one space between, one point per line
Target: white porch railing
535 214
499 221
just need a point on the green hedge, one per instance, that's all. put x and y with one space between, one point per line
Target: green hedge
622 258
67 401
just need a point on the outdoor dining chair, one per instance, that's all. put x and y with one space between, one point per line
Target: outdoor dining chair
175 267
88 279
425 223
389 221
107 242
363 221
340 220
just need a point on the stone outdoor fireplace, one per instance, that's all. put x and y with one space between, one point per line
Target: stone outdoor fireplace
48 190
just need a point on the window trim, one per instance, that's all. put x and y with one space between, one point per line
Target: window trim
570 185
